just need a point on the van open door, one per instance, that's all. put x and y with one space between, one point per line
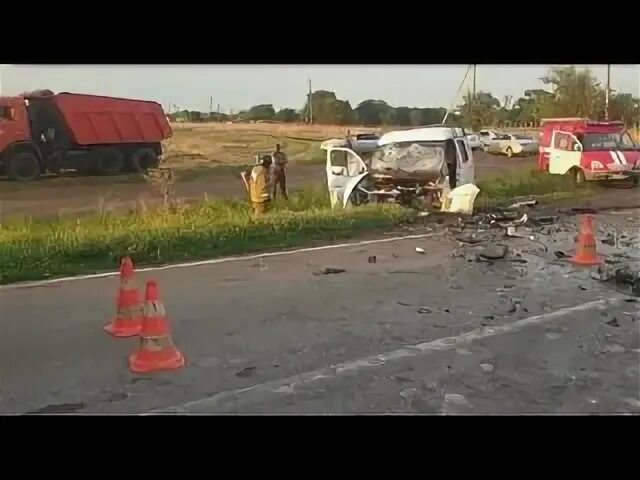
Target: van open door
565 152
465 171
343 166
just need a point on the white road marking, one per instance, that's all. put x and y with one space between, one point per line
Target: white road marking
287 386
213 261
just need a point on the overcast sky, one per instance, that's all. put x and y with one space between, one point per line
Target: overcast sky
241 86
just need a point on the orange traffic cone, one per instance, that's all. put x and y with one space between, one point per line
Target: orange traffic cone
586 245
157 351
128 320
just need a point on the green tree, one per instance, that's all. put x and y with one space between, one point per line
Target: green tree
372 112
482 111
576 93
260 112
328 110
287 115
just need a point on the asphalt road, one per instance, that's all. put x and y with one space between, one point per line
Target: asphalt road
409 333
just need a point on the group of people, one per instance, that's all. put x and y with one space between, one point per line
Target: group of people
262 181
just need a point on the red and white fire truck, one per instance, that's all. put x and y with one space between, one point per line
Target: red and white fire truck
588 150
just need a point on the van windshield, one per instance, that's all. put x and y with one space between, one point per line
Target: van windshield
606 141
423 158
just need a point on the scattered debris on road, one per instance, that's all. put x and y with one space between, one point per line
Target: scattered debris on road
486 367
246 372
329 271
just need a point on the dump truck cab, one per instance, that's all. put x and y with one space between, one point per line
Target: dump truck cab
15 134
588 150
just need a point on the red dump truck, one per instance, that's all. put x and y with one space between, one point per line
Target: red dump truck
42 131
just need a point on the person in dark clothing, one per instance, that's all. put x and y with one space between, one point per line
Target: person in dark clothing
279 172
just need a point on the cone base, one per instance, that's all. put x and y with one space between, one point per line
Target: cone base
121 329
597 260
147 362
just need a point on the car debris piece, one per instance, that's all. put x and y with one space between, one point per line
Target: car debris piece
329 271
420 250
246 372
424 310
613 323
471 239
545 220
494 252
513 232
486 367
529 203
372 259
455 399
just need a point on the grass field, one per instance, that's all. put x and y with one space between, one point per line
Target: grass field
197 146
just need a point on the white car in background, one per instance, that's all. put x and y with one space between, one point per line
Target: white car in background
512 145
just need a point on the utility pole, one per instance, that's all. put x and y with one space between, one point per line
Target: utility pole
474 81
310 105
210 105
606 93
472 100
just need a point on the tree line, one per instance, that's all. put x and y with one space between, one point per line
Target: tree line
568 92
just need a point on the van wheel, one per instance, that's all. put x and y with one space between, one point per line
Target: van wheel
509 152
144 159
578 176
23 167
109 161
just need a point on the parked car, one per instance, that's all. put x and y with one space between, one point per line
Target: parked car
474 142
512 145
487 136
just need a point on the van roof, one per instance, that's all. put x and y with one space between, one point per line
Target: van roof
423 134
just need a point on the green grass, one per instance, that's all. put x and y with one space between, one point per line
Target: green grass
36 250
528 183
32 250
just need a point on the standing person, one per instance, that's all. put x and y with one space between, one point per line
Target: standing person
259 185
279 172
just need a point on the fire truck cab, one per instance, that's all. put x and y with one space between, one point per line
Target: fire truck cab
588 150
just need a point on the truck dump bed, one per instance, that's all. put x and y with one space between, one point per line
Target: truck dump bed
96 120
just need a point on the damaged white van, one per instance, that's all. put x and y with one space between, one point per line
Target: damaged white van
404 166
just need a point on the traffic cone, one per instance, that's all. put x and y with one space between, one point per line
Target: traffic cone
586 245
156 351
128 320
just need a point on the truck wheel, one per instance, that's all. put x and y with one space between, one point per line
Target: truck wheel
109 161
509 152
23 167
144 159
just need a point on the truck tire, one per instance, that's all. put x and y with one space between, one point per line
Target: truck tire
109 161
143 159
23 167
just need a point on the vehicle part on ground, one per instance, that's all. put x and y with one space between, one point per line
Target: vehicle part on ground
79 132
